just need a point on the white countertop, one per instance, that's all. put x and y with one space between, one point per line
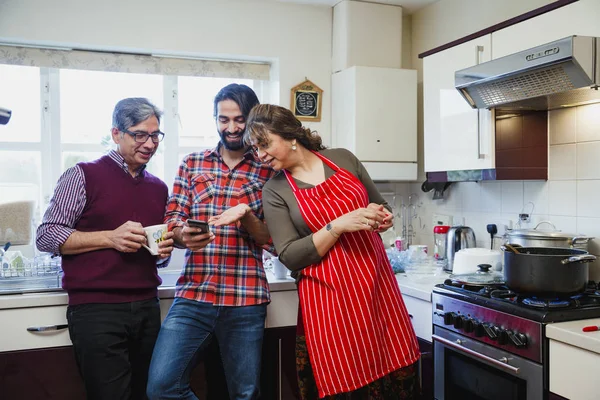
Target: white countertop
165 291
419 286
571 333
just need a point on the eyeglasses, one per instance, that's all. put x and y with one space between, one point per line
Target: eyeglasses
142 137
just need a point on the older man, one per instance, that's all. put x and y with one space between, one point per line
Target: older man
95 221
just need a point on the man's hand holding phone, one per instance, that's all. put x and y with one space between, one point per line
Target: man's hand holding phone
196 234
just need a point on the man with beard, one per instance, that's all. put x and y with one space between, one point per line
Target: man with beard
222 292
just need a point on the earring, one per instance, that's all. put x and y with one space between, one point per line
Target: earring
294 147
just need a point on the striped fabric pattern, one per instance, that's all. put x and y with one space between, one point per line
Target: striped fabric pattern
66 206
229 271
356 324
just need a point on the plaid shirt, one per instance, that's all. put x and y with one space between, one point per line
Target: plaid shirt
228 271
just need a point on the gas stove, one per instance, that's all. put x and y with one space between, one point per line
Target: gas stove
497 338
499 317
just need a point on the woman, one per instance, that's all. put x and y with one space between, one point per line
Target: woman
355 339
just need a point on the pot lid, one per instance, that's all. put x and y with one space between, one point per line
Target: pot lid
549 234
482 277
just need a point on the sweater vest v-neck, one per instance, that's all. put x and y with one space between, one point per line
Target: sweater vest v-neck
114 197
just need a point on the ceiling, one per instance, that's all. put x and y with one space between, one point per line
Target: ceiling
409 6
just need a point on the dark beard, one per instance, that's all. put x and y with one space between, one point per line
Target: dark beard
232 145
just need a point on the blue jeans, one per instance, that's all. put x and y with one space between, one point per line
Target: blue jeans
185 333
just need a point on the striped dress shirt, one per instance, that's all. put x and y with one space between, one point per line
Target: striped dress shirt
67 205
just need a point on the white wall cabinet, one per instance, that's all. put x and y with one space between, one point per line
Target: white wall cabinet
456 137
374 115
579 18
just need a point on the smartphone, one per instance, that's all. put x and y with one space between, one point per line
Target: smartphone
194 223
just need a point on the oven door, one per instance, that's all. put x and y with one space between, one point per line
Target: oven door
470 370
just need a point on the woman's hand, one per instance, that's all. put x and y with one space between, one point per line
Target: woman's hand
231 215
388 218
361 219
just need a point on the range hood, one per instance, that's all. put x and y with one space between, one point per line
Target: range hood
563 73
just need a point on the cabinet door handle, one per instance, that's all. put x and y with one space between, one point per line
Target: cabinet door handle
478 54
47 328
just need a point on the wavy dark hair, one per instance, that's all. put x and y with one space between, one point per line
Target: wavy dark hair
280 121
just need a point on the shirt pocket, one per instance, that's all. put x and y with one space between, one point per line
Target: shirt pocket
203 188
251 193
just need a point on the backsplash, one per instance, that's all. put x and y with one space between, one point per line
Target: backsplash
569 199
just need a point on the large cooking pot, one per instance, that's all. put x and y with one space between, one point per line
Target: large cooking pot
546 270
547 238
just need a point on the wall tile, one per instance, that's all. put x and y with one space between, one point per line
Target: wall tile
537 193
588 193
491 196
471 196
512 197
562 160
588 123
562 125
562 198
588 160
562 223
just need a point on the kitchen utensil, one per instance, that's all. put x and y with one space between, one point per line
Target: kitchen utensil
547 238
467 260
510 247
492 230
459 237
482 277
547 270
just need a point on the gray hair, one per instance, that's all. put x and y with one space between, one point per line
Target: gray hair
131 111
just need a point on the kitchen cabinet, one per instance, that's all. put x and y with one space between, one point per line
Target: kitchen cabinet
49 374
579 18
278 373
456 137
374 115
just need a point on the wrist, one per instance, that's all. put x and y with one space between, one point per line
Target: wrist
331 229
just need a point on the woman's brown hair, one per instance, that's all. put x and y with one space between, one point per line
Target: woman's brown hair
280 121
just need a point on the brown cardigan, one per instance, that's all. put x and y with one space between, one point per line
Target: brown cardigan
291 235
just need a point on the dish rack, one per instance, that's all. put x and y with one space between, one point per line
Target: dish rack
30 275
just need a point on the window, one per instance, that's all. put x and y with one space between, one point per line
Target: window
63 116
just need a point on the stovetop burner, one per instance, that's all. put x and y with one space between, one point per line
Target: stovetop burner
543 308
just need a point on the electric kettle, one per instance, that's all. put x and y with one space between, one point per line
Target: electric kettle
459 237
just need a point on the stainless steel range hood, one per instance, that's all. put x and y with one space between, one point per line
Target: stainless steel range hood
563 73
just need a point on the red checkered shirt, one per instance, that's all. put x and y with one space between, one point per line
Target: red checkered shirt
229 271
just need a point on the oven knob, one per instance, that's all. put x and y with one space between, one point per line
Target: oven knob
518 339
468 324
449 318
458 322
490 331
479 331
502 336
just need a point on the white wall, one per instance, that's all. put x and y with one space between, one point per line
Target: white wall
296 37
568 198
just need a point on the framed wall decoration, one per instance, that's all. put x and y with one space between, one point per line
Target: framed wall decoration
306 101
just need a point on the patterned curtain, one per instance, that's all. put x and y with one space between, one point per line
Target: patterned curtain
134 63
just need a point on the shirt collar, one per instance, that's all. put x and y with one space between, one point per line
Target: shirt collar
118 158
250 154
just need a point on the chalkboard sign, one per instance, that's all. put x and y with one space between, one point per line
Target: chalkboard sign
306 101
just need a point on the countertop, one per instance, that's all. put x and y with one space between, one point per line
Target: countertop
420 286
571 333
165 291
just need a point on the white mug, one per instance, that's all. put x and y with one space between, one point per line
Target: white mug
154 235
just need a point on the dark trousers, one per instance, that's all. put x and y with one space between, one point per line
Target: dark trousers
113 346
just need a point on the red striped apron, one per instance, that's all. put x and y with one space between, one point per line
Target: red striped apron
355 321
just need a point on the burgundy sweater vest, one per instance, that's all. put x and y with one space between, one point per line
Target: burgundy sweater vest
113 198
